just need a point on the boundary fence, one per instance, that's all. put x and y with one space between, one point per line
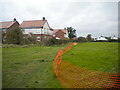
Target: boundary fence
72 76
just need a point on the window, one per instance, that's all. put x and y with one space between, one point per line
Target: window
37 30
4 30
38 38
45 37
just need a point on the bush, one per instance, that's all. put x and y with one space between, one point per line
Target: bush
82 39
9 45
112 40
101 41
29 39
18 46
54 41
118 39
89 38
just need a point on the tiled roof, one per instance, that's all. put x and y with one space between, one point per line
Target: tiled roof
6 24
56 30
33 23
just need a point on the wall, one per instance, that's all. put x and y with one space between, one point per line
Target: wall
43 36
66 35
32 30
16 24
45 30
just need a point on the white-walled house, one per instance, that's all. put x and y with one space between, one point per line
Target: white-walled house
115 38
39 28
102 39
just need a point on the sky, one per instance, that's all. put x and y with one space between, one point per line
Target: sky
95 17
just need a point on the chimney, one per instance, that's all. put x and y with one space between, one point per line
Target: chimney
65 28
43 18
14 19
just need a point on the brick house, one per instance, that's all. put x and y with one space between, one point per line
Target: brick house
60 33
4 26
39 28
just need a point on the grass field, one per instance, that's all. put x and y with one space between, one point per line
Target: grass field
0 67
30 67
99 56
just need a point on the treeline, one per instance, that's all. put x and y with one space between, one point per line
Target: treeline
85 39
89 38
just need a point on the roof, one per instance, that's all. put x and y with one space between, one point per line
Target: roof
102 38
114 38
6 24
33 23
56 30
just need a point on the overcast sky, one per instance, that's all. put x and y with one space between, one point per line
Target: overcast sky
96 18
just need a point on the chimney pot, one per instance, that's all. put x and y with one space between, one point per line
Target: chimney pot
65 28
14 19
43 18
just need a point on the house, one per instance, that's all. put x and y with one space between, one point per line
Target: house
60 33
4 26
114 38
101 38
39 28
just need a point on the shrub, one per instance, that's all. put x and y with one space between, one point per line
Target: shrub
82 39
29 39
89 38
18 46
54 41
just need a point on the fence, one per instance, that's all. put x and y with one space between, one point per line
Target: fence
72 76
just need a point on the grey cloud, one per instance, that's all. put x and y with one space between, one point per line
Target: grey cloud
86 17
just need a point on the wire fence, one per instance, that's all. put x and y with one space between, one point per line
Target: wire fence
73 76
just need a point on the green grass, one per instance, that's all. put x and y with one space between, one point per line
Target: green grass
99 56
30 67
0 67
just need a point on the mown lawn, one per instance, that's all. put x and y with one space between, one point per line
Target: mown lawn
30 67
99 56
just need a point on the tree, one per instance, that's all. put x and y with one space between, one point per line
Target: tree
14 36
29 39
71 32
108 39
89 37
82 39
